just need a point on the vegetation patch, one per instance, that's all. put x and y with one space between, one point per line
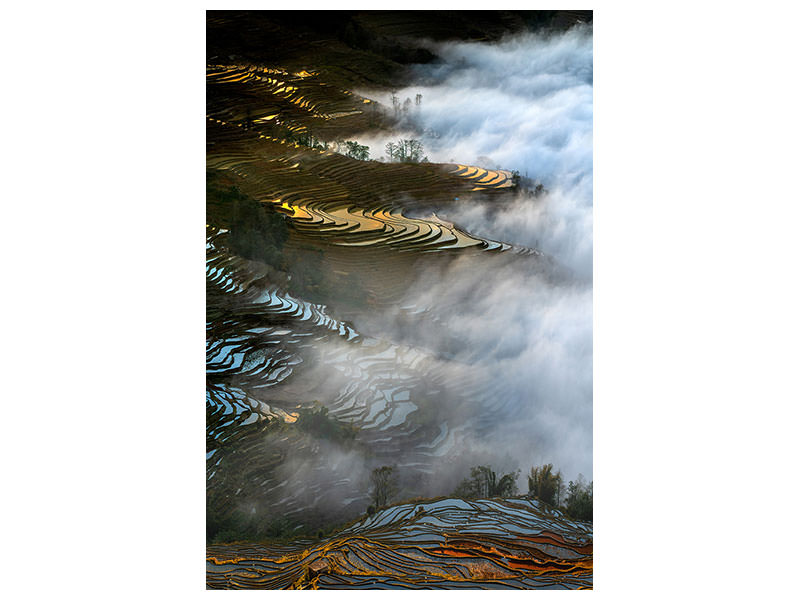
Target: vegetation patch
257 231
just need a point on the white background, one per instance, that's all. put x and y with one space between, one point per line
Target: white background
696 298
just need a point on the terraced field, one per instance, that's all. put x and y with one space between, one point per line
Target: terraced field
276 100
440 544
484 179
270 355
308 388
354 202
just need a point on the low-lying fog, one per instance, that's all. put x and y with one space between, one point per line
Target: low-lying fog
522 104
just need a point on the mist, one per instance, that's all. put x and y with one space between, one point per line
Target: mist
522 104
486 358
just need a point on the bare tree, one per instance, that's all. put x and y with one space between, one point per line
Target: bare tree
391 150
414 150
406 151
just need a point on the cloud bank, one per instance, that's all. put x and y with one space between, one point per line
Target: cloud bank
523 104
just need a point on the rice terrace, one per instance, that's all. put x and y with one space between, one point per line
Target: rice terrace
399 300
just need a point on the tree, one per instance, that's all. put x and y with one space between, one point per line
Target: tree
391 150
483 483
383 485
412 150
415 149
306 138
579 499
356 150
545 485
408 151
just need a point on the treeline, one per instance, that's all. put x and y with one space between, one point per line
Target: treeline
573 498
403 150
484 483
350 148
